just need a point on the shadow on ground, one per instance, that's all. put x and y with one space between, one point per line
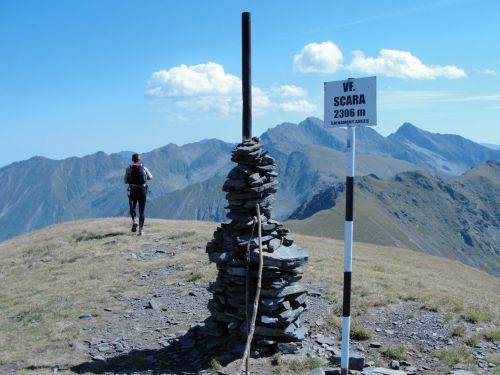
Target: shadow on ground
189 354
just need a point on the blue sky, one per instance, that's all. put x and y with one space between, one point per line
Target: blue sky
77 77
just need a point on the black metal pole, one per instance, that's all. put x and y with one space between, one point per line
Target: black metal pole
246 67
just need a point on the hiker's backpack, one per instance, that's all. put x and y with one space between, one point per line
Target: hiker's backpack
138 176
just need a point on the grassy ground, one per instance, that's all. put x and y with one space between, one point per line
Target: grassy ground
50 277
382 275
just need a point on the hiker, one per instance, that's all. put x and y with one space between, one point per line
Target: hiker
136 176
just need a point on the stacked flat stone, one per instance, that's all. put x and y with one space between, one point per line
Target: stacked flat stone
253 181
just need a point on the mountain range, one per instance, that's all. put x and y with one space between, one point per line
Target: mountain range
458 218
491 145
188 179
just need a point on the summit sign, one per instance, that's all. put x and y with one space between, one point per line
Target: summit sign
351 102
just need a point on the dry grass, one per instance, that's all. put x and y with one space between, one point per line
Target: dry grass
452 356
396 352
382 275
491 334
49 277
303 366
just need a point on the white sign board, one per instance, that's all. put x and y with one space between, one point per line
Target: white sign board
351 102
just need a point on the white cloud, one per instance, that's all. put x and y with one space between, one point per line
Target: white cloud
401 64
289 91
201 79
488 72
398 99
260 101
202 87
474 98
326 57
323 57
300 105
208 88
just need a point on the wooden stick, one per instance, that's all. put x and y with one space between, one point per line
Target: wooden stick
246 354
247 279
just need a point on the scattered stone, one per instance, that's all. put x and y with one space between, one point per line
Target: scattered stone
154 304
317 371
375 344
104 347
85 316
332 371
356 361
326 340
394 365
288 347
382 371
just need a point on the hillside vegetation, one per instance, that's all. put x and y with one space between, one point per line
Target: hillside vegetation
457 218
52 276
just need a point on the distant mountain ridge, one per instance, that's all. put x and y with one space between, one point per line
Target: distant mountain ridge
458 218
187 184
40 191
492 146
447 152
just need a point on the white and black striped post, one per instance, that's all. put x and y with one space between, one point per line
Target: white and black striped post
348 232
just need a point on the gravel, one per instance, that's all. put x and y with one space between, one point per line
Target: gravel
162 332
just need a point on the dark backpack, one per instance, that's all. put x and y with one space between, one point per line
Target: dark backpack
138 176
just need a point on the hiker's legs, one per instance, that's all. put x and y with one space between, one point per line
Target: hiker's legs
133 204
141 197
132 201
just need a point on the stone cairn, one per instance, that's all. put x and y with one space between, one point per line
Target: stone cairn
282 300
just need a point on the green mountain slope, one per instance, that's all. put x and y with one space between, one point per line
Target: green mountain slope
312 168
200 201
458 219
